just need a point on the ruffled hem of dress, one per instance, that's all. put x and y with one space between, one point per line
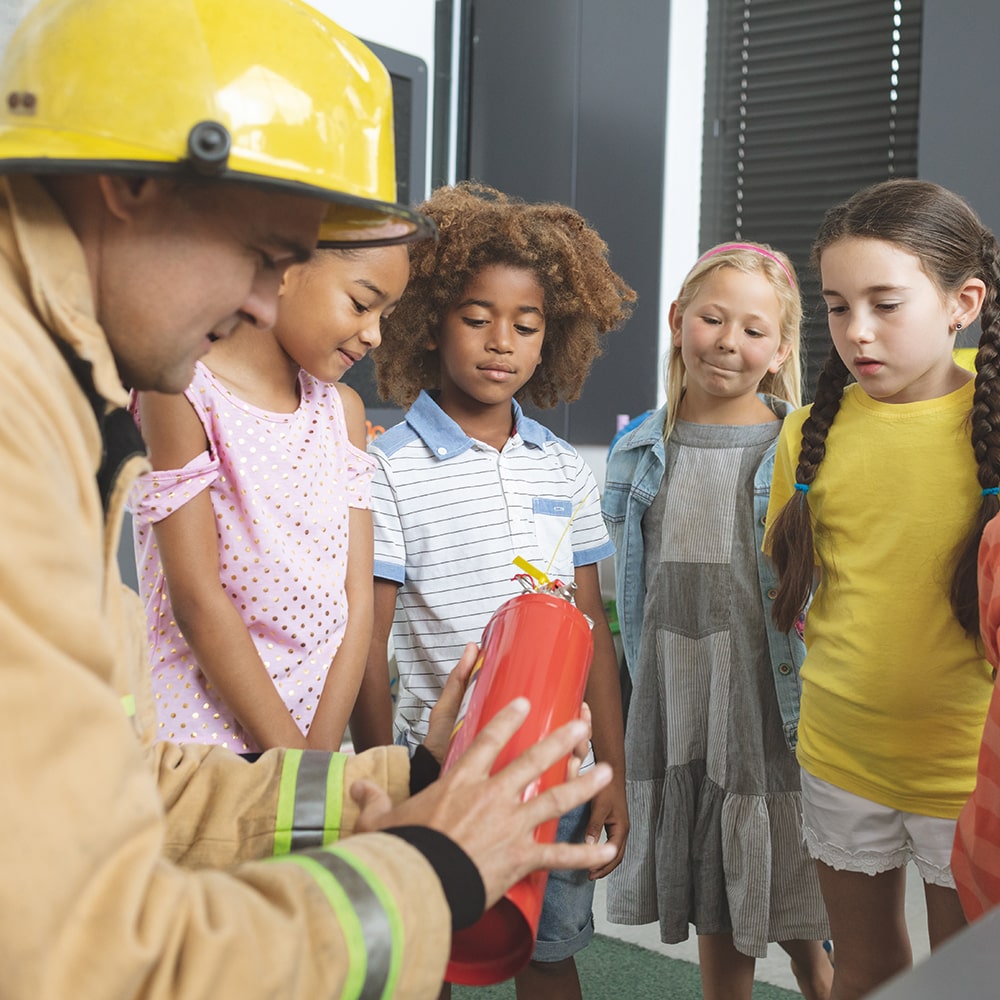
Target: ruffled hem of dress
724 863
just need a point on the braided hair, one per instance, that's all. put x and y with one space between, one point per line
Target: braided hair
985 440
953 246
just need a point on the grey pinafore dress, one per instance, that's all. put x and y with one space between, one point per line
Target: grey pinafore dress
713 790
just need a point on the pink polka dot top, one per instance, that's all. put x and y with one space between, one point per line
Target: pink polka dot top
281 486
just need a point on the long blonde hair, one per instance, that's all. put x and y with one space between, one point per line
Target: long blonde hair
750 258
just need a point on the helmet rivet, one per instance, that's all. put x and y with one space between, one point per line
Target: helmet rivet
208 147
22 102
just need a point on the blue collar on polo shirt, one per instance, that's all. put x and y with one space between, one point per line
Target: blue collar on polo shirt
446 439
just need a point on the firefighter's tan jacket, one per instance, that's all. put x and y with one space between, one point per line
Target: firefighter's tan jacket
128 868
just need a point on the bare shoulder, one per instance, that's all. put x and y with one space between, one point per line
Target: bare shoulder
354 415
171 429
352 402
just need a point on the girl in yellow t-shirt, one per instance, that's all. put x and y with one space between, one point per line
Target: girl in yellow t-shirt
879 497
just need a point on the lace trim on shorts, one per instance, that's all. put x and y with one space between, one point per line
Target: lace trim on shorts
874 862
868 862
934 874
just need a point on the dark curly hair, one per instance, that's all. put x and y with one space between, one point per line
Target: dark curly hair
478 227
945 234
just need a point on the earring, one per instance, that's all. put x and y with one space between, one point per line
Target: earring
958 326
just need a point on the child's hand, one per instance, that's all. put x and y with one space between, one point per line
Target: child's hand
609 813
582 749
608 809
444 713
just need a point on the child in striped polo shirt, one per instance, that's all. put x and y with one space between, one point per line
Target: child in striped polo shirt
511 302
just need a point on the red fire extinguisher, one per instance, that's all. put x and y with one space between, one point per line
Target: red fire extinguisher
537 645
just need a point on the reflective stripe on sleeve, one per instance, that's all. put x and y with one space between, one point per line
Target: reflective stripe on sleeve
368 919
310 800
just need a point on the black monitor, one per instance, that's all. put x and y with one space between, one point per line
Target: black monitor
409 108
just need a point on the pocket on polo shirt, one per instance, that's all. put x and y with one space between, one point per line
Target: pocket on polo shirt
552 535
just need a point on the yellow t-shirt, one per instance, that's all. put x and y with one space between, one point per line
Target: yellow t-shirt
894 693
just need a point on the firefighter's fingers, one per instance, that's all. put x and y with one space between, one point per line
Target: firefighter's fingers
513 852
373 803
565 741
478 758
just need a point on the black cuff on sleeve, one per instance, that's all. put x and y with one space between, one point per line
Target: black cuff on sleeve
424 769
460 878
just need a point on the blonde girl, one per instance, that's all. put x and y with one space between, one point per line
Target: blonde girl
712 782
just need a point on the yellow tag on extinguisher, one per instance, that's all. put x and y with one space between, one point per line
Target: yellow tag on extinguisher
536 574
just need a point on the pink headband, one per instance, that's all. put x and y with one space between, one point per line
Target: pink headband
748 246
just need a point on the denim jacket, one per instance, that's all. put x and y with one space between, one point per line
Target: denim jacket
635 470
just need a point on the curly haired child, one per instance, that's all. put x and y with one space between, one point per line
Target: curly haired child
878 495
510 303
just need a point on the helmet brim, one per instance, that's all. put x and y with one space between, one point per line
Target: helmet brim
358 222
350 221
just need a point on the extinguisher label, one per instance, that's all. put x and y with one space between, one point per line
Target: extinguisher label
467 697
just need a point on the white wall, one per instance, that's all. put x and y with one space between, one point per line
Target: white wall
11 12
683 161
407 25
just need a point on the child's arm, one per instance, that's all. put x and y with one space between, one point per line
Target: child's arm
344 677
608 810
371 721
189 553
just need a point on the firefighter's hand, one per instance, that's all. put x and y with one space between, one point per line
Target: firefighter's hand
486 815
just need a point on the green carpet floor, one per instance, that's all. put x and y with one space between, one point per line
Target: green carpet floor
616 970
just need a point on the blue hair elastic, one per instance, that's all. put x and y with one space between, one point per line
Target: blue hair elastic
991 491
802 487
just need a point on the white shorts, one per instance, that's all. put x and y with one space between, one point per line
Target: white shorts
848 832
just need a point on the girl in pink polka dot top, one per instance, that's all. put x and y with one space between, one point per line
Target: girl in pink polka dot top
253 533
